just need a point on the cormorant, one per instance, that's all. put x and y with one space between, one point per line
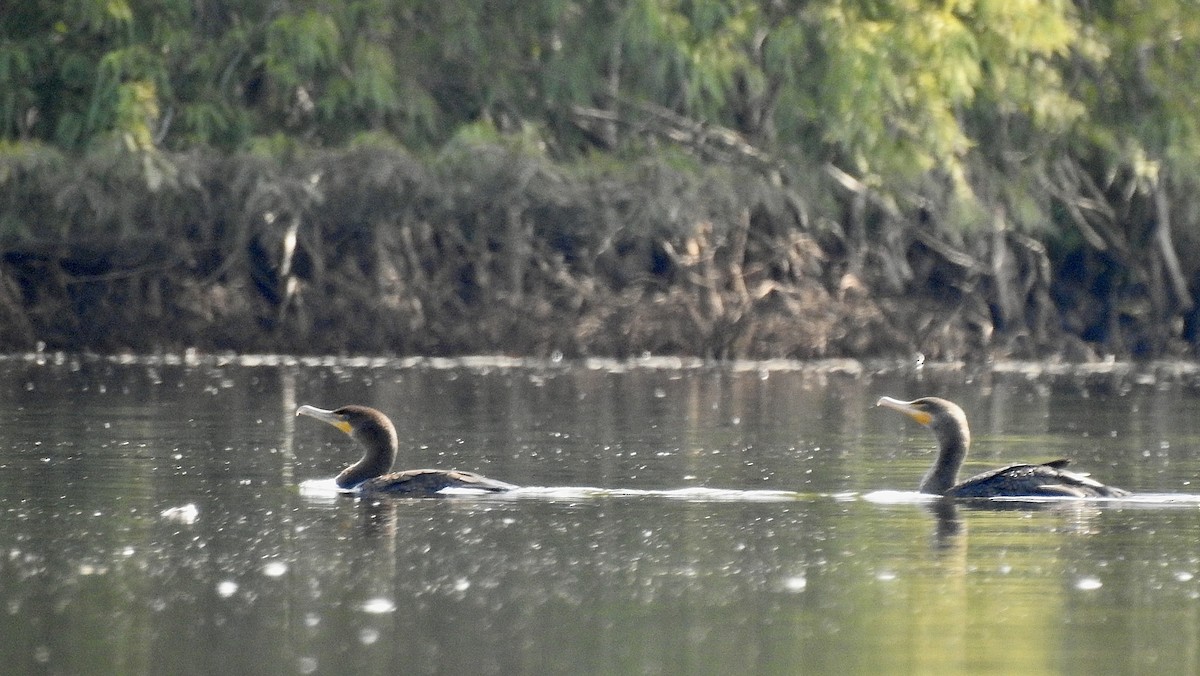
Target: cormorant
371 474
949 425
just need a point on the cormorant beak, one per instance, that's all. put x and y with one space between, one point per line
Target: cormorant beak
907 408
335 419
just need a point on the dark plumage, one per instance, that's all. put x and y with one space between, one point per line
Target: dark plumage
949 425
375 432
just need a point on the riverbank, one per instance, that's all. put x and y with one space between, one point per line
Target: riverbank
489 249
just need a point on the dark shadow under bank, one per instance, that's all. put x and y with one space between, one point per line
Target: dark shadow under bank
372 251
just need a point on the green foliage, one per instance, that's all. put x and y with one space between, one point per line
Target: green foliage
965 101
1145 103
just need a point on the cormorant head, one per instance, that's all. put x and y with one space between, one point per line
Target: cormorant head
370 428
940 415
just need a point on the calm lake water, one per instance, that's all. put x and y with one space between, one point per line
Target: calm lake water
165 516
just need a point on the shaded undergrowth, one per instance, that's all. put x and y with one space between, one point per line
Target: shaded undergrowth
489 248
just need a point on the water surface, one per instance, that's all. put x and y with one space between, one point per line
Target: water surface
686 519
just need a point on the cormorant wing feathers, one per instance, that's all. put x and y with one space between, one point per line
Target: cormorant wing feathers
430 481
1045 479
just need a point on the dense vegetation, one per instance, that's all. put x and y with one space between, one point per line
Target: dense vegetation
724 178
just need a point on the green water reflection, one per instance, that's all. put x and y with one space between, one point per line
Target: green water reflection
268 579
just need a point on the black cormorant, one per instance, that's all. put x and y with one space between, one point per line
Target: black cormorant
371 474
949 425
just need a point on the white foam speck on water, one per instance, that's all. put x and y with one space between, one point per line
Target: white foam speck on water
378 606
227 588
1088 583
274 568
797 583
898 497
185 514
320 490
318 485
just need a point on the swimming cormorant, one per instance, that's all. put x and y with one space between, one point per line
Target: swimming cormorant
371 474
949 425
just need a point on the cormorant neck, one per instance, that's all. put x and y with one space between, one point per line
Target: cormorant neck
379 446
954 437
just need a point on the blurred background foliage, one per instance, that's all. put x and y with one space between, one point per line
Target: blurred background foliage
888 90
974 100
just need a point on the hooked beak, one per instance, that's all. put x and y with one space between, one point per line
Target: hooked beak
907 408
337 420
